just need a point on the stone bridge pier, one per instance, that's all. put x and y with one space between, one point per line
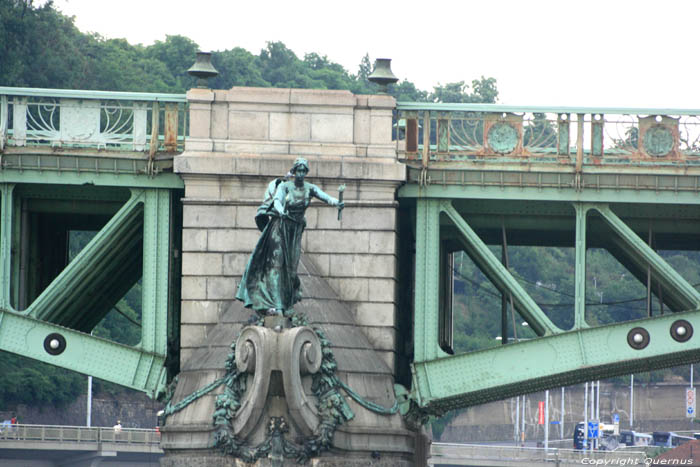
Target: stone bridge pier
240 139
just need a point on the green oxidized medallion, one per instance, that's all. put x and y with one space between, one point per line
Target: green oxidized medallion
658 141
502 138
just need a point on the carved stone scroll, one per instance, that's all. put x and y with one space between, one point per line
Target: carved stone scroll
293 352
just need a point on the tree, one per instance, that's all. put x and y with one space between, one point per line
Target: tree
484 91
280 66
407 91
39 47
237 67
362 84
177 54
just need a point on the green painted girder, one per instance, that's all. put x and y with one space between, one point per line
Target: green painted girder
444 382
90 285
156 270
536 224
525 179
108 266
6 226
427 278
124 365
70 207
544 193
640 270
89 160
683 292
499 275
161 180
553 361
84 292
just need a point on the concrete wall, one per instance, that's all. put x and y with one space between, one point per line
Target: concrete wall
242 138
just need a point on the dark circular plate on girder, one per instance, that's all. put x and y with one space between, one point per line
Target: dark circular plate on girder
681 330
55 343
638 338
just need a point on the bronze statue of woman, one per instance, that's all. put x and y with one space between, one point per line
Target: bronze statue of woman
270 284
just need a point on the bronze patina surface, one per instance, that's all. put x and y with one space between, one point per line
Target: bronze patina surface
270 284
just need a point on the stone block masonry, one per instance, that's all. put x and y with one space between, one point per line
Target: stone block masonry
241 139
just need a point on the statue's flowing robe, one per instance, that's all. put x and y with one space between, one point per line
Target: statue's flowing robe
270 280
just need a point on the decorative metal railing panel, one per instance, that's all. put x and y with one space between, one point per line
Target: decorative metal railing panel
114 121
457 132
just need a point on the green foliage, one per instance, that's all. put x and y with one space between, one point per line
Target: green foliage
27 381
38 46
407 91
176 54
119 325
484 92
237 67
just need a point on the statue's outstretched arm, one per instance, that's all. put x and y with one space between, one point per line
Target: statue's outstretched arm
323 196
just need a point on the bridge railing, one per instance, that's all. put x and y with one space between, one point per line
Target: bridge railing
103 120
79 434
457 132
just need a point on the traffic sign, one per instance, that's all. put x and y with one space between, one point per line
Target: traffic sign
690 402
616 419
593 431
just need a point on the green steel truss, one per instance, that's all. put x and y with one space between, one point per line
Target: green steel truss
135 243
563 359
86 161
548 217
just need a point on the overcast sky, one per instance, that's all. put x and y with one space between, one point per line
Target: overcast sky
614 53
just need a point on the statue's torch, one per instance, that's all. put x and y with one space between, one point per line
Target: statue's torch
341 189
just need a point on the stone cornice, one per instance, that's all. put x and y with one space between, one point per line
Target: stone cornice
347 168
256 202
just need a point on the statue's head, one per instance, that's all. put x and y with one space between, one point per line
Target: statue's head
299 162
300 169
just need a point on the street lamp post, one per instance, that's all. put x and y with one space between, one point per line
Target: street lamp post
561 425
546 419
89 403
517 419
631 401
